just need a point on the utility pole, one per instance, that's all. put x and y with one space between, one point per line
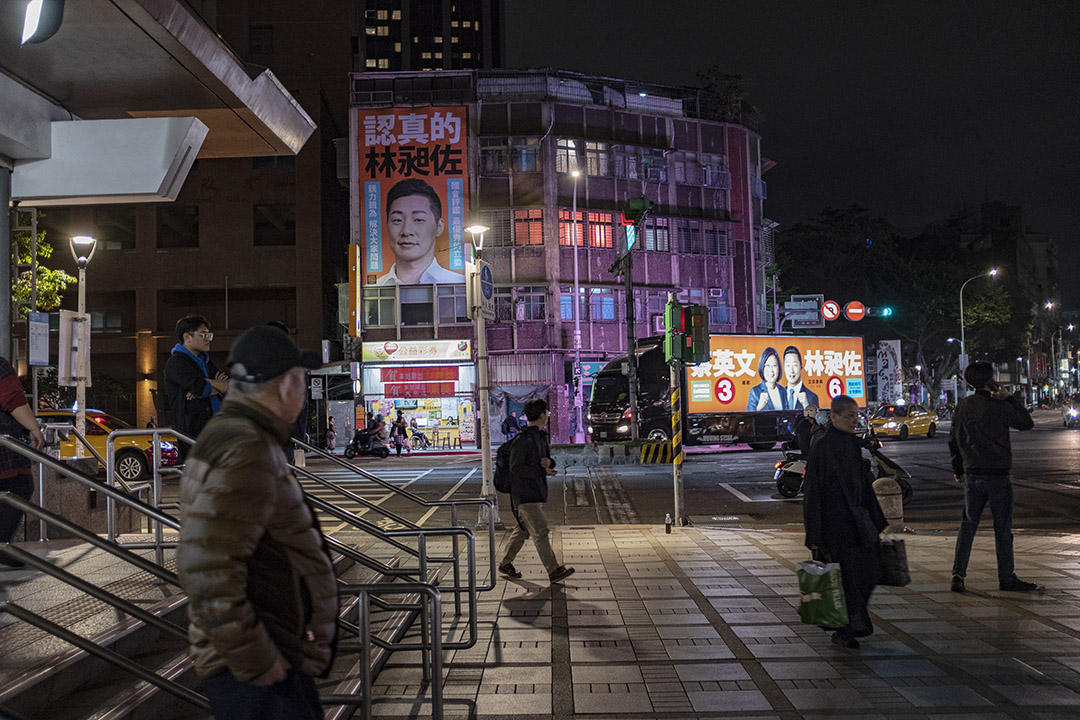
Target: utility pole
633 217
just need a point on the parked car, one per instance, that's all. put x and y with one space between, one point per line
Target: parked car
134 455
900 421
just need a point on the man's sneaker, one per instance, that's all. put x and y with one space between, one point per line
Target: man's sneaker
561 573
509 570
1015 584
845 641
957 584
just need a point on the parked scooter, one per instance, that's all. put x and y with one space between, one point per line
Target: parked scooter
790 472
366 444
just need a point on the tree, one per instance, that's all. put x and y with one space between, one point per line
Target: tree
49 282
848 254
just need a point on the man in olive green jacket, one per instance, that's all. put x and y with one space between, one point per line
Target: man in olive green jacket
262 593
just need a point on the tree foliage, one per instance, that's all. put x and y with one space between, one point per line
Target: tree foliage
49 282
849 254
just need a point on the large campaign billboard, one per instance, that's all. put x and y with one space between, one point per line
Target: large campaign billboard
413 194
759 373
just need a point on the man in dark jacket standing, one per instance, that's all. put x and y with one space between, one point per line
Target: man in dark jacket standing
530 465
842 516
262 596
193 384
982 459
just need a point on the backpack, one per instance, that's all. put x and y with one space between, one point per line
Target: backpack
502 466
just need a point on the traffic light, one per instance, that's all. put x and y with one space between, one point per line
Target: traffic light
674 339
697 331
636 209
880 311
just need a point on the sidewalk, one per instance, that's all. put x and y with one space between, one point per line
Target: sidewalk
702 623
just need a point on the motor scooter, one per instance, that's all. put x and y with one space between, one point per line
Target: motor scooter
791 471
366 444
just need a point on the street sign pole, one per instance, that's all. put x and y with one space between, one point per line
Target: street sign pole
676 432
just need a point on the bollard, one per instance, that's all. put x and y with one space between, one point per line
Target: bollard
891 500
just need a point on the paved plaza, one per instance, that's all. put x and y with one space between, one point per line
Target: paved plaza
702 623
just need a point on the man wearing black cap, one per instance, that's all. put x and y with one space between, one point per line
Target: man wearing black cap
262 596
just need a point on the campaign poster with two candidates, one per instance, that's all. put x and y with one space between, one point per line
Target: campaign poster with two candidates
759 373
413 181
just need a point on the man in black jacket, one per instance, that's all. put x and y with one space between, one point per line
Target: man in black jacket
842 515
530 465
982 459
193 384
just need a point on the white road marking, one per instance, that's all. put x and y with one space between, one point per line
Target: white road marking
447 496
747 498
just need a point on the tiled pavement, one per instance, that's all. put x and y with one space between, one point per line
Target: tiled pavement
702 623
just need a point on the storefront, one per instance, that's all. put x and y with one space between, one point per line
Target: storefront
433 383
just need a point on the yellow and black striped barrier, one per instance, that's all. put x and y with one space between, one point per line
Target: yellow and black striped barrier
656 453
676 422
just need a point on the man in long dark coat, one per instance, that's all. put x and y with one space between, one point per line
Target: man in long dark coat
842 516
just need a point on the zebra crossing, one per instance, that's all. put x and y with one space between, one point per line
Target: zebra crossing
420 481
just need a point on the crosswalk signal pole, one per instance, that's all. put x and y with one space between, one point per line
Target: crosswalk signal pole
675 348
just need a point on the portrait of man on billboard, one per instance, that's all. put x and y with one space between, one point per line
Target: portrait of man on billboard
414 223
799 397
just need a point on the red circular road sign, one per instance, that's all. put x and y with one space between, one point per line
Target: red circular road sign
855 311
830 310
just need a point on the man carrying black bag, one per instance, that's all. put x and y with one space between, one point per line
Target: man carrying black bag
842 516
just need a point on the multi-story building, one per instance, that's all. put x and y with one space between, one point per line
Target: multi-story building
429 34
706 238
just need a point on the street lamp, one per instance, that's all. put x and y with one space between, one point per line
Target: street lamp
963 351
579 429
1056 371
486 488
82 249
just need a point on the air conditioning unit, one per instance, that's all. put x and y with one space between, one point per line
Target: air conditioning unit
654 174
717 292
658 323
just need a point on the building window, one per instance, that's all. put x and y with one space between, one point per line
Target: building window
504 304
597 158
567 230
688 237
274 162
416 305
178 227
379 306
566 303
105 322
452 305
653 165
657 235
525 154
114 226
275 225
384 64
627 162
716 176
529 227
494 156
260 39
567 155
685 169
600 230
601 305
716 240
532 303
718 307
498 224
371 62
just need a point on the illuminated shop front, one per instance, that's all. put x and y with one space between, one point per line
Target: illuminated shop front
431 381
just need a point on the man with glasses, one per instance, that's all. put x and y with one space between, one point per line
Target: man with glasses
193 384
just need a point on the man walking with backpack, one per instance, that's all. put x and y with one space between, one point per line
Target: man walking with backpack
530 465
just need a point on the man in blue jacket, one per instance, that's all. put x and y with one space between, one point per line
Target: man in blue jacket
193 384
981 460
530 465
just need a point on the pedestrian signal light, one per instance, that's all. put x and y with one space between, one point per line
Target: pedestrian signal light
880 311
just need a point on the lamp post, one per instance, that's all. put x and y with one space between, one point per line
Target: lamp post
82 249
486 488
963 350
1055 370
579 429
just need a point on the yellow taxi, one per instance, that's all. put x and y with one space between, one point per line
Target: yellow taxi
900 421
134 455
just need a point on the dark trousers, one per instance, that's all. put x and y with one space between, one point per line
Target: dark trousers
23 486
978 491
860 571
294 698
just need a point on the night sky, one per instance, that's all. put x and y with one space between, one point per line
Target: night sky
913 109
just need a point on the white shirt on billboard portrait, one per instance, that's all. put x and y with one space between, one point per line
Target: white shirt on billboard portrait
434 273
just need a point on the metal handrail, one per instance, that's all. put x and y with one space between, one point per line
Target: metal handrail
416 499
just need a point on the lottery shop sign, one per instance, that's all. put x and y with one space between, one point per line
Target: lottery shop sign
763 373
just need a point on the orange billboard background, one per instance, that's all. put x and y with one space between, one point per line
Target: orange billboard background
423 143
729 381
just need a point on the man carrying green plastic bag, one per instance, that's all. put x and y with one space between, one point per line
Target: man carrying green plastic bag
821 595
